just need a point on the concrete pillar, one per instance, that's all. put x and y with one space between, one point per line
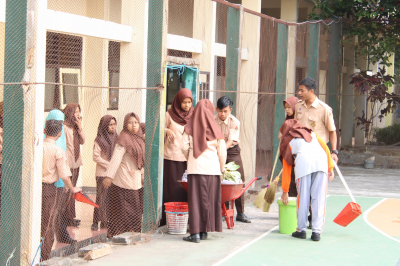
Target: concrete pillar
25 49
390 71
348 92
254 5
289 12
360 104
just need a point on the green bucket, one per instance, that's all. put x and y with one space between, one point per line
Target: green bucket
287 216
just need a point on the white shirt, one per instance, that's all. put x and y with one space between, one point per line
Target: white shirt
307 152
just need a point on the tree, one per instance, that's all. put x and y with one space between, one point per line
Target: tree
381 101
375 22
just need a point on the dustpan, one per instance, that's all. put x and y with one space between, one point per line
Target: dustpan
79 196
352 209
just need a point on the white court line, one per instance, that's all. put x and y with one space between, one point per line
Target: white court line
245 246
366 220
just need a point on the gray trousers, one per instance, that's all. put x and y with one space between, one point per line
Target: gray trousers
314 185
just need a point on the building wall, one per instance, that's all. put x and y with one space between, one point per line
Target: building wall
248 103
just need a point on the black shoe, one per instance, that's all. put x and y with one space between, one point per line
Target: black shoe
301 235
241 217
74 223
66 240
95 227
315 236
103 225
203 235
195 238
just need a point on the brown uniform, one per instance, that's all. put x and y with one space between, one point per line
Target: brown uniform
55 166
204 185
74 165
126 193
318 117
231 128
174 166
101 159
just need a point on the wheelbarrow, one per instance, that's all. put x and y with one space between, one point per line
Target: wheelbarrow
229 192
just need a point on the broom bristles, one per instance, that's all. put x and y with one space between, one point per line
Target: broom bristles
270 194
266 207
259 201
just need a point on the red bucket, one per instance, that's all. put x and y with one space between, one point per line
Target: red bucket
348 214
176 206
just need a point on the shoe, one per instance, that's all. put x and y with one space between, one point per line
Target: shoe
95 227
195 238
66 239
315 236
301 235
74 223
103 225
203 235
241 217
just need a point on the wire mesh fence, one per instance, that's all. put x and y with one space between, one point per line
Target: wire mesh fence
122 81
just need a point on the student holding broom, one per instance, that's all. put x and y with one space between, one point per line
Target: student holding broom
230 127
313 167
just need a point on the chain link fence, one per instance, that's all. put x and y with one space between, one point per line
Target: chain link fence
144 53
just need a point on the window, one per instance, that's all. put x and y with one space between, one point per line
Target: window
113 74
63 64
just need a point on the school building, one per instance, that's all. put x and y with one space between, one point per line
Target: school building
119 56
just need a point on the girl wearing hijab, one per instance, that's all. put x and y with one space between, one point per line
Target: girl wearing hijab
75 137
61 232
174 161
313 165
104 145
125 176
289 105
203 145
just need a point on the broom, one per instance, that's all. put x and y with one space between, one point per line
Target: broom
259 201
269 196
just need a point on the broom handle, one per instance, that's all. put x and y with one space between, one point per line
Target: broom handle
273 168
344 182
279 173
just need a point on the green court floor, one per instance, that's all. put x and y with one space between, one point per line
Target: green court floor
357 244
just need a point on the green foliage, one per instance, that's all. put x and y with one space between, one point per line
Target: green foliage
382 102
388 135
231 173
375 22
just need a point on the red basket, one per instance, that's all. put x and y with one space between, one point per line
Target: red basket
176 207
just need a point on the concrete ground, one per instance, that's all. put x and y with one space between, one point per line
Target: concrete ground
372 239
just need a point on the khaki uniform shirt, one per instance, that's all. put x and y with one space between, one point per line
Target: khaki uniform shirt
55 164
172 150
230 128
69 136
123 170
318 117
101 160
210 162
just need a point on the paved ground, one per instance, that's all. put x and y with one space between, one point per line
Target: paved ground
363 242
